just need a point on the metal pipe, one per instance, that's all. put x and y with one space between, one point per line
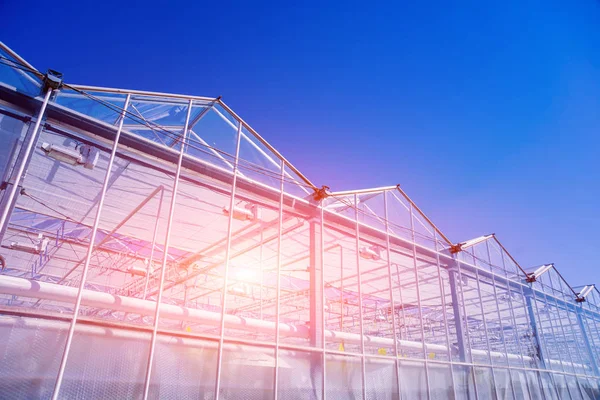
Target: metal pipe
22 287
323 321
21 168
390 284
278 290
360 300
444 313
362 191
139 92
166 253
90 250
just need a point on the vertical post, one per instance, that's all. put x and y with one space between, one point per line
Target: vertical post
444 312
533 297
166 253
360 302
341 288
227 254
534 318
151 261
278 294
390 283
591 330
463 339
463 354
317 300
487 246
323 322
90 250
485 331
260 264
21 167
418 293
586 341
402 313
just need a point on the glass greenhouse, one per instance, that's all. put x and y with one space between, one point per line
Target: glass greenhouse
154 245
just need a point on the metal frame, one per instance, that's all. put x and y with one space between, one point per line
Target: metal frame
194 282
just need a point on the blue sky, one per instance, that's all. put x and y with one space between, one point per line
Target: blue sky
486 114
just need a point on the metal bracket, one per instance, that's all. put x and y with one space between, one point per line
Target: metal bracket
530 278
321 193
456 248
52 80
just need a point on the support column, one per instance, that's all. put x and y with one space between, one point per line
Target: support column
459 316
317 306
540 348
586 340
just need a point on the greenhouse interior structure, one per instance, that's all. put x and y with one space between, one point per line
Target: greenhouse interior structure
154 245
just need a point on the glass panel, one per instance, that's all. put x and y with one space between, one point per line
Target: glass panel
17 76
215 140
11 130
105 107
257 162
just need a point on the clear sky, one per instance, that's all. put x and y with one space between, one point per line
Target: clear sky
486 113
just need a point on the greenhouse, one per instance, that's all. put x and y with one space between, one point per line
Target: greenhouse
154 245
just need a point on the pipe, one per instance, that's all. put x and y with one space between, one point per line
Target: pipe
50 291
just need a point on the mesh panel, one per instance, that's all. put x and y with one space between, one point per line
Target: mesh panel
503 384
344 379
300 375
183 368
548 386
485 383
440 382
247 373
413 380
381 379
30 353
561 386
519 384
463 382
105 363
